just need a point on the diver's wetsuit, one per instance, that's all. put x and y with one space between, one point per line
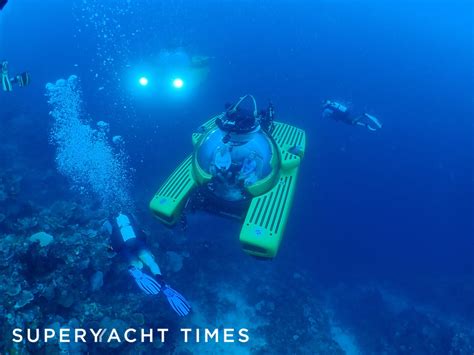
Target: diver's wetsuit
130 244
339 112
21 80
342 116
130 248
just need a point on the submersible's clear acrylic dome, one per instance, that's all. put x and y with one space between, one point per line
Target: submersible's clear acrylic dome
241 147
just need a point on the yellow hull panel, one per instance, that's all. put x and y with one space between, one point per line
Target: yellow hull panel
168 202
267 216
287 138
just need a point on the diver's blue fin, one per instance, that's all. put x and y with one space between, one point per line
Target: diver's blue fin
177 301
146 283
374 120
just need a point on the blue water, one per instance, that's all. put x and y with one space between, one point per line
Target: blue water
392 207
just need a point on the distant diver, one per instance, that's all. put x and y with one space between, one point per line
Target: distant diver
340 112
200 61
2 4
131 245
21 80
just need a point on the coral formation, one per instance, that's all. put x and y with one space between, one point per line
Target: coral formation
75 281
42 238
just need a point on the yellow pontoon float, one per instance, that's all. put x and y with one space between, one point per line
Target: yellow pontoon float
244 165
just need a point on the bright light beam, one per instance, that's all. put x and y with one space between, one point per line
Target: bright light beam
178 83
143 81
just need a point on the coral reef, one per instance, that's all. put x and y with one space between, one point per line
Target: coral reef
385 323
75 281
58 271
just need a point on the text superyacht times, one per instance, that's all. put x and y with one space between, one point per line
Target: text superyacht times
130 335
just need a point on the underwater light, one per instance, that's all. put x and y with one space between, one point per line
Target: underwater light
143 81
178 83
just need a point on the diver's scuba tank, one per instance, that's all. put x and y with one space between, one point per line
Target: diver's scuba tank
336 106
125 227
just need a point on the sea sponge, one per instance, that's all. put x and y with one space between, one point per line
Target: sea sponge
43 238
24 298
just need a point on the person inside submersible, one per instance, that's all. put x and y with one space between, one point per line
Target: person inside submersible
237 155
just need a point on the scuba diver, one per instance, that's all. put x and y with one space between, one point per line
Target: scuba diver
21 80
130 244
340 112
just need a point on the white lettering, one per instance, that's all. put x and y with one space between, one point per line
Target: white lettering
208 335
229 335
64 334
81 336
162 331
102 333
29 337
127 339
95 334
147 335
17 335
129 335
244 338
186 331
113 336
48 334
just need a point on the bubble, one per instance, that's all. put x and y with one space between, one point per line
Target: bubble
84 154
